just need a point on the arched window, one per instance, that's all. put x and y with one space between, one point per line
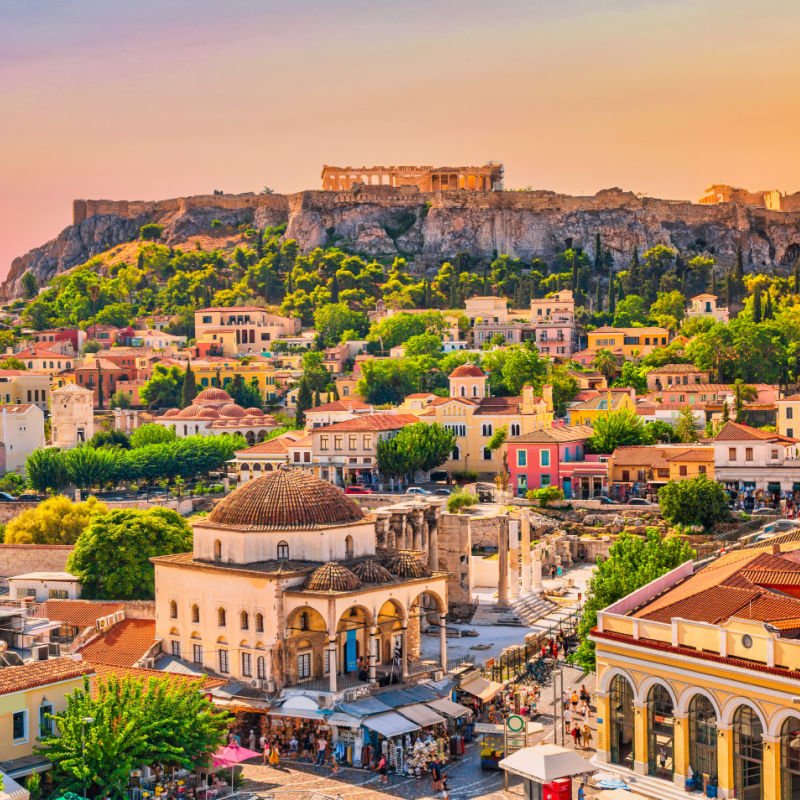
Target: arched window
474 389
790 759
259 623
463 391
195 613
173 610
302 621
456 454
261 668
245 620
283 551
515 429
661 733
621 713
487 454
702 736
221 617
348 547
748 754
217 550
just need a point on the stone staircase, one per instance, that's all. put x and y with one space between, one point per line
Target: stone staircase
535 609
644 784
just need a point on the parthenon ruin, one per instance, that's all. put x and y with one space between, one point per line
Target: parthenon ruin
487 178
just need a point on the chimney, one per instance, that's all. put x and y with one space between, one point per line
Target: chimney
776 548
547 395
527 399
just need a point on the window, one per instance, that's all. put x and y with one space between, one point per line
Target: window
626 475
702 736
773 453
206 320
522 458
58 594
661 733
20 727
323 442
545 481
245 620
259 623
283 551
304 665
368 441
173 610
748 454
195 613
456 454
487 454
217 550
175 648
682 470
486 429
45 723
352 441
348 547
337 442
731 454
221 617
247 665
544 458
197 653
261 668
515 429
223 661
789 412
702 469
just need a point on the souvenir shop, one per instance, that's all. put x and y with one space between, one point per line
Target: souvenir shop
479 694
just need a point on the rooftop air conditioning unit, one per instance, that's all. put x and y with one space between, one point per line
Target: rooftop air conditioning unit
438 675
40 652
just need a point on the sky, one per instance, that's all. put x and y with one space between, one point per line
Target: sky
148 99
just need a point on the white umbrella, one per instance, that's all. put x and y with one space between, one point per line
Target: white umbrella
546 762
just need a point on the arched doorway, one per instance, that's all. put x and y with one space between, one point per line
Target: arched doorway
790 759
306 641
748 754
660 733
352 640
702 737
390 634
621 717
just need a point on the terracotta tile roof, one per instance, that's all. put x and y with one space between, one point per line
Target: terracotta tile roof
123 645
675 368
736 432
600 401
639 331
111 670
277 446
41 673
713 605
564 433
790 398
501 405
467 371
78 613
340 405
371 422
17 409
651 455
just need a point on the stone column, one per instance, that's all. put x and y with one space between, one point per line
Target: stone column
771 776
513 563
725 761
433 546
604 727
502 562
525 551
374 644
537 570
680 749
640 739
404 652
332 665
443 640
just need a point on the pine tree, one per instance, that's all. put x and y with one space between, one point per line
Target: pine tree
140 260
635 271
335 392
726 414
738 275
189 390
598 296
757 306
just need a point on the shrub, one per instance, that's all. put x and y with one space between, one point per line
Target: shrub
697 501
216 223
465 476
460 500
545 495
151 232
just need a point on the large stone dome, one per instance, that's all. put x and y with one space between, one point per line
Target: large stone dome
332 577
287 499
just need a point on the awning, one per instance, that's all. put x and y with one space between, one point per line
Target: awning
341 720
448 707
12 790
390 724
422 715
545 763
481 688
365 707
299 706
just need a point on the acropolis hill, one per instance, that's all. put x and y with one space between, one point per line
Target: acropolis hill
428 227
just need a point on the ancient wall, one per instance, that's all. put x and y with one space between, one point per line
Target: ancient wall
455 547
19 559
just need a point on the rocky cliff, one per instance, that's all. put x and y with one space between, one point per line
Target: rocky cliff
429 228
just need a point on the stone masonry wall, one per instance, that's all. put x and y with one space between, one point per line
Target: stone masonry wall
18 559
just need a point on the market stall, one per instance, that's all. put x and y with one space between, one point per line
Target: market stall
389 733
459 723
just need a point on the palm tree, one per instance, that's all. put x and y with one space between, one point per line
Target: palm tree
605 363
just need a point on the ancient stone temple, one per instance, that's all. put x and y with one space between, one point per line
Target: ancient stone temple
488 178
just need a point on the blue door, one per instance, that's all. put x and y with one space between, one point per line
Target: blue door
568 488
350 652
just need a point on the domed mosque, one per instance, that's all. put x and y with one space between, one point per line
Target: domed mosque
213 412
285 587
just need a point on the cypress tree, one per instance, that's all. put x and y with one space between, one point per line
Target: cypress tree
189 389
317 399
598 254
767 306
612 297
635 270
797 275
598 296
757 306
303 403
334 392
738 274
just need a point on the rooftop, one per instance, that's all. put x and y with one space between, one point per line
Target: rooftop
737 432
371 422
78 613
564 433
41 673
122 645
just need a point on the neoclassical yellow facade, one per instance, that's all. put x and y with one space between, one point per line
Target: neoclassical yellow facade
697 677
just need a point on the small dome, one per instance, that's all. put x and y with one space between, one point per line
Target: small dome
171 412
332 577
252 411
197 412
232 411
371 571
212 395
467 371
404 565
286 499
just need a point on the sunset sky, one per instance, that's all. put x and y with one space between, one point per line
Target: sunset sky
148 99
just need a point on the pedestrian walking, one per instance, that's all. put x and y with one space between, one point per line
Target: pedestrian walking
567 719
264 751
576 735
274 755
382 770
586 737
436 775
445 788
322 746
581 792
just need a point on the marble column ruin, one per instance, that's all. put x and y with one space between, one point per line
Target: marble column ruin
502 558
525 551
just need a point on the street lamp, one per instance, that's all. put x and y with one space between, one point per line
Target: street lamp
84 722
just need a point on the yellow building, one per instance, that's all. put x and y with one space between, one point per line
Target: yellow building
628 342
474 417
19 386
697 677
29 693
789 416
588 411
656 465
220 372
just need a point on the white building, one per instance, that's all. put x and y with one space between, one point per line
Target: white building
41 586
705 305
71 416
22 432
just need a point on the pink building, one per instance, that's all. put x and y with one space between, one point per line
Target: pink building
556 457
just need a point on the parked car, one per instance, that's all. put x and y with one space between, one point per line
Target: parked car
605 500
5 497
640 501
444 492
358 490
780 525
418 490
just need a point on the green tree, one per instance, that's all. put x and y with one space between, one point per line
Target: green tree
420 446
46 470
152 433
92 346
247 395
498 438
633 375
56 520
565 387
630 311
110 438
151 232
120 400
305 400
333 319
685 430
112 556
385 380
164 388
398 328
460 500
757 306
424 344
605 363
616 429
159 720
545 495
668 310
30 285
189 387
658 432
632 562
12 363
696 501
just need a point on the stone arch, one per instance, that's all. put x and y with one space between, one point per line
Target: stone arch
244 644
348 547
250 437
306 633
390 622
195 635
268 468
729 710
222 640
256 467
778 719
173 609
174 632
608 675
688 694
648 683
244 468
262 435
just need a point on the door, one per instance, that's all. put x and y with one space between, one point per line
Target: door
568 488
351 652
